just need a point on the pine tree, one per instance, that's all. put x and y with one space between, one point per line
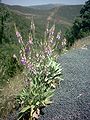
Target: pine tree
81 25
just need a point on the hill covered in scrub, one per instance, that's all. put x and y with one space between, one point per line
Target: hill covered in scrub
64 12
59 14
21 16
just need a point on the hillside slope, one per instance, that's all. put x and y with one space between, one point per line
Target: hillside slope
66 12
72 99
63 16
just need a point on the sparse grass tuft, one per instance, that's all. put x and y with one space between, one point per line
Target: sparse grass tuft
84 42
8 94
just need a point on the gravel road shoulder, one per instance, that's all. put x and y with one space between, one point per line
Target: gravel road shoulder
72 99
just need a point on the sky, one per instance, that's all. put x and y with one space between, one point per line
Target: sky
40 2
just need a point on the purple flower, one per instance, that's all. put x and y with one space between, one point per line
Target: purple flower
48 50
27 49
30 40
19 37
23 60
58 37
30 66
18 34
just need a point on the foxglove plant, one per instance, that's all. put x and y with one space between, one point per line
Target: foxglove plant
40 70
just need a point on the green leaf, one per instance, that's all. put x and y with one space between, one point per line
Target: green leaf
25 109
20 117
47 101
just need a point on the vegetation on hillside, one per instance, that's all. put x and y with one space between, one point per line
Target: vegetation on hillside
60 15
81 25
8 41
68 13
37 57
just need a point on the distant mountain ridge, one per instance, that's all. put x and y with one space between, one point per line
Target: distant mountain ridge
39 7
45 7
62 15
69 12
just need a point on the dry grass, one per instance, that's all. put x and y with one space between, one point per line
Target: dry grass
81 43
13 86
8 94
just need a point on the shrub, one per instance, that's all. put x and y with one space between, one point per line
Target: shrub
81 25
9 64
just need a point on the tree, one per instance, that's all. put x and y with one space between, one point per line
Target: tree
85 16
85 8
4 15
81 25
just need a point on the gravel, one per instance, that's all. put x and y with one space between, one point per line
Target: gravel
72 98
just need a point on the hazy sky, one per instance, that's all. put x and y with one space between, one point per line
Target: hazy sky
38 2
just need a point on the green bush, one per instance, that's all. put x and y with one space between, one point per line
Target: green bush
81 25
9 65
